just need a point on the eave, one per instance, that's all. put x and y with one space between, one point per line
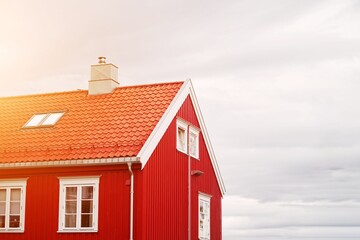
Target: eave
70 163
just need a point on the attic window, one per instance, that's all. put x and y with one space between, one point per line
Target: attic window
181 136
194 143
44 120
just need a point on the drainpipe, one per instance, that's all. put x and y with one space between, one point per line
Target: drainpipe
131 201
189 183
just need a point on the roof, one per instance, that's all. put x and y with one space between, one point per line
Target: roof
125 126
93 127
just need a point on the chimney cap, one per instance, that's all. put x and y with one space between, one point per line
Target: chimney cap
102 60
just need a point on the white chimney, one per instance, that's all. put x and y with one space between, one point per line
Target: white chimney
104 77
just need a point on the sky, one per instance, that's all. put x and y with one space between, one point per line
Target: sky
278 83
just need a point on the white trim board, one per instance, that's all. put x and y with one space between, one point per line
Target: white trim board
160 129
71 163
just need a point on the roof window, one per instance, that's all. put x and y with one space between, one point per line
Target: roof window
44 120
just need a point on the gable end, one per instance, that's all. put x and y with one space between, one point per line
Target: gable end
186 90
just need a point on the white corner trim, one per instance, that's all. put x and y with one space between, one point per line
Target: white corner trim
156 135
77 162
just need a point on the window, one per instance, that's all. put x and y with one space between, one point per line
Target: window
78 208
204 216
12 205
44 120
181 136
194 142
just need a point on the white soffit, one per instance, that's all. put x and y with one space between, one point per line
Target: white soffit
160 129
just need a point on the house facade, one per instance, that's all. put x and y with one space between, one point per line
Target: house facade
110 162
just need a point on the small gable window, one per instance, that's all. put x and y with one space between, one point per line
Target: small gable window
44 119
187 136
181 136
194 142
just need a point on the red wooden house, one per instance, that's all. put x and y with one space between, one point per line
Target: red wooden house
111 162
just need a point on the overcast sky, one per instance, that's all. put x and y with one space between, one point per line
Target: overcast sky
278 83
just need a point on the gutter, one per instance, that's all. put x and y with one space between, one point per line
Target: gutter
131 201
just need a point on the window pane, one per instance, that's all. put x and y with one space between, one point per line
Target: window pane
207 207
87 192
204 218
70 207
15 208
35 120
86 206
71 193
2 221
14 221
2 195
15 194
2 208
193 144
86 220
70 221
52 118
181 139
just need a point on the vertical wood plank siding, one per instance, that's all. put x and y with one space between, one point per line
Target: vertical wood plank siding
42 203
164 185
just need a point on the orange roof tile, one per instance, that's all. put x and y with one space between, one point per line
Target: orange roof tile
99 126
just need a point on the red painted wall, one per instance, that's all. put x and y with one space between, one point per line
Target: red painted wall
42 203
163 188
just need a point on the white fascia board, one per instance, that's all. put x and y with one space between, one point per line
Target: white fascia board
71 163
156 135
163 124
207 140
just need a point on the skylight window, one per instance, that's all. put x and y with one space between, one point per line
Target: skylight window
35 120
52 118
44 119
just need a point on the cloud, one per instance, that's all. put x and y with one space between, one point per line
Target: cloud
253 219
277 82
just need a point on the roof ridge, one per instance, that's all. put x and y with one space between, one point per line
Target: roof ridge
83 90
149 84
43 94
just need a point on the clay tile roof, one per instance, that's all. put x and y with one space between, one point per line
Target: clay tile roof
100 126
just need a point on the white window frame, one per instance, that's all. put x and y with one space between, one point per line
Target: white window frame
181 125
78 182
196 132
43 120
205 235
8 185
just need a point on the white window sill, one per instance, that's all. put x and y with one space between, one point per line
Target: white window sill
12 231
181 150
197 158
77 231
